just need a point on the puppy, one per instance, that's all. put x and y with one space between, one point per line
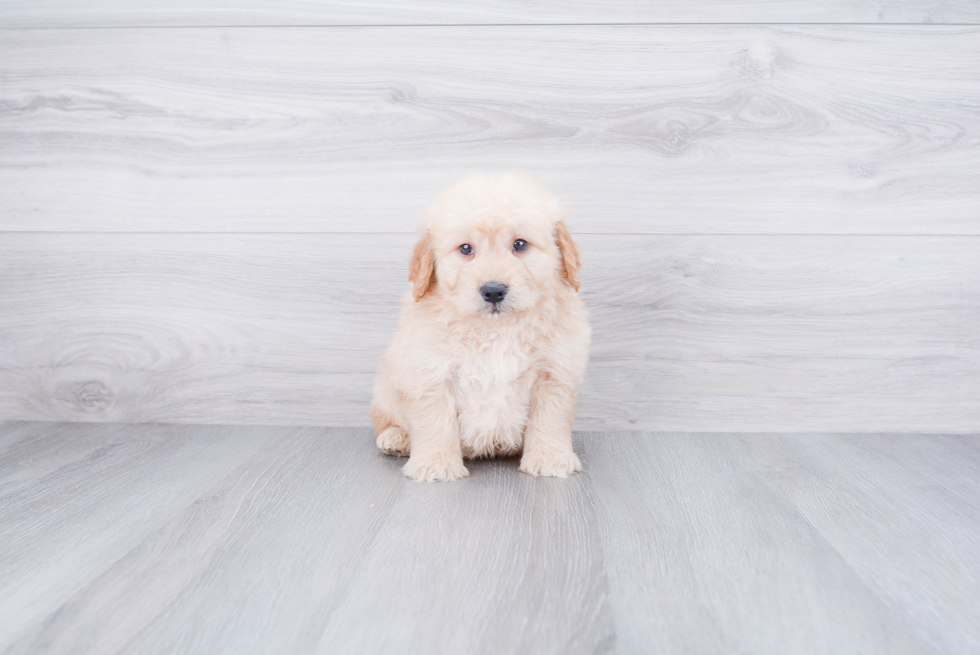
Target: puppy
493 338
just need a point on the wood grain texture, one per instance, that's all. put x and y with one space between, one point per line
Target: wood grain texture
95 13
537 537
219 539
760 543
308 540
638 129
89 507
735 333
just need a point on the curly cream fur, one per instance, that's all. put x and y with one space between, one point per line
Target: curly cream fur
460 380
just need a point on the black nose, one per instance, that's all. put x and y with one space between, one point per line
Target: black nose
493 292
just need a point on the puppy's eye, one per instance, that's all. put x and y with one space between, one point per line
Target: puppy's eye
520 245
466 249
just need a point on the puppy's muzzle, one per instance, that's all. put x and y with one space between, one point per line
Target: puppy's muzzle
493 292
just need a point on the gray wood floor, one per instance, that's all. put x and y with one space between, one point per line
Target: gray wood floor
212 539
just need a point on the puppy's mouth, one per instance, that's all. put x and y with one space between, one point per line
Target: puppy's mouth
496 309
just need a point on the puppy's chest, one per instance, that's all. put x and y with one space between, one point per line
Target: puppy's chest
492 388
492 372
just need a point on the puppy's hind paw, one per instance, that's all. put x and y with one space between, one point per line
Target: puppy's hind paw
441 467
551 464
392 441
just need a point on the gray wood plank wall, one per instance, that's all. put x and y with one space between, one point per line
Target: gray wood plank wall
781 223
639 129
100 13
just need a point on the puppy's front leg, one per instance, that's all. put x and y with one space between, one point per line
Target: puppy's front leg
437 455
548 435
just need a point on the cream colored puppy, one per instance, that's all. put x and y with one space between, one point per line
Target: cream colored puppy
493 337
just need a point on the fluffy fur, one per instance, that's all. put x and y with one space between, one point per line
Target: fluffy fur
466 378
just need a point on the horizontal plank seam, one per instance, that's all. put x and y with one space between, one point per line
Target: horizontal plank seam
575 232
456 25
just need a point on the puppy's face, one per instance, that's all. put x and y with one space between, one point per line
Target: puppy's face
495 265
494 245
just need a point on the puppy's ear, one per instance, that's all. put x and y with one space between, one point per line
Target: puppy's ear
422 269
569 253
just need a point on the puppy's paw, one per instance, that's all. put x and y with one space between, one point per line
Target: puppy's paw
392 441
558 464
440 467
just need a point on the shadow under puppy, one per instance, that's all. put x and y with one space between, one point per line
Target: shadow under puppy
493 338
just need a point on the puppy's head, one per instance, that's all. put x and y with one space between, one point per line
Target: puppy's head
494 245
